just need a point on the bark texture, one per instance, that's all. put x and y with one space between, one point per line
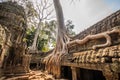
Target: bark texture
53 61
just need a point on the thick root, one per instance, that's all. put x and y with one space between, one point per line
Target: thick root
105 35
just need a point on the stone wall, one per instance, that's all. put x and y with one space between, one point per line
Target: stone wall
103 25
105 59
13 20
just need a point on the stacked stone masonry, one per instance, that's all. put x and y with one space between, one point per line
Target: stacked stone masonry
14 57
103 25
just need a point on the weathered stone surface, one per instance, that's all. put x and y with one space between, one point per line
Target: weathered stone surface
98 56
105 59
13 21
103 25
92 43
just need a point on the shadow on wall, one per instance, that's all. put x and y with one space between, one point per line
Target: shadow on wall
66 73
82 74
86 74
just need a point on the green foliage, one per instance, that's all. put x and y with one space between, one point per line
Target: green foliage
70 27
30 35
47 35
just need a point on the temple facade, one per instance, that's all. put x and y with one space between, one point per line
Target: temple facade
93 54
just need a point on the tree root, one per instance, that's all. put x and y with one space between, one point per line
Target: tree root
53 63
105 35
53 60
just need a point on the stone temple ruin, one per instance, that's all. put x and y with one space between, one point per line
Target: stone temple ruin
13 58
93 59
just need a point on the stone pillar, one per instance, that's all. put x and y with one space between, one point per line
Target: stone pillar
74 73
78 73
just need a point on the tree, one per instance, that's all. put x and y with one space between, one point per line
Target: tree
46 36
53 61
70 26
36 13
42 13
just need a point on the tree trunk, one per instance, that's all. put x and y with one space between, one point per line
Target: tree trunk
53 61
59 15
34 45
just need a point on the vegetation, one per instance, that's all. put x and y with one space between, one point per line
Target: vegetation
47 35
43 39
61 44
41 32
46 38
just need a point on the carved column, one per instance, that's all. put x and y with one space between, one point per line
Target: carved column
74 73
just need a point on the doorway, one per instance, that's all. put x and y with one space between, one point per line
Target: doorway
66 72
86 74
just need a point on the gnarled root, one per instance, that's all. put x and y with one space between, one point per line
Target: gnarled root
105 35
53 63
